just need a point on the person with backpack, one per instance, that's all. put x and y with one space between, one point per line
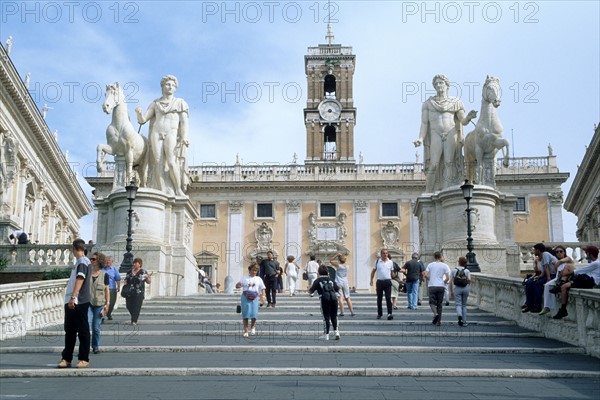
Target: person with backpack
328 293
460 286
18 237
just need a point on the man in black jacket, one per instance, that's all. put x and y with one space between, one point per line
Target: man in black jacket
268 270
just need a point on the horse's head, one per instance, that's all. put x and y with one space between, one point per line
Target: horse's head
491 91
112 98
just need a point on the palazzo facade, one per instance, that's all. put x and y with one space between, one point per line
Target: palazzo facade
39 192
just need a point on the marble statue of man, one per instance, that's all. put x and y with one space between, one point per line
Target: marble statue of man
442 119
9 43
167 137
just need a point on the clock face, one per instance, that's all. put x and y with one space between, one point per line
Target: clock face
330 110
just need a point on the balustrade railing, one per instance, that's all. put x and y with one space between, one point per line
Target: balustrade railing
504 296
334 171
37 257
31 305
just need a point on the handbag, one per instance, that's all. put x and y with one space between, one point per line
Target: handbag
305 276
127 291
250 295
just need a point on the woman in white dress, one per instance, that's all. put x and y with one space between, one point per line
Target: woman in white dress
291 271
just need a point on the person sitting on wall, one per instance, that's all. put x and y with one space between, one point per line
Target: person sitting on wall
534 287
583 278
18 237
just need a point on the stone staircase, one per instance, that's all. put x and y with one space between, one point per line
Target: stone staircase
200 338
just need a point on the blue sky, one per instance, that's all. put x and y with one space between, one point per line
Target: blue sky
241 69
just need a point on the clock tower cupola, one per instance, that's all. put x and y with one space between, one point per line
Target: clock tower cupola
329 115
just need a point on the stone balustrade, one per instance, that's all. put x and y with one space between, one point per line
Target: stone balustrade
527 165
323 172
504 297
31 305
37 257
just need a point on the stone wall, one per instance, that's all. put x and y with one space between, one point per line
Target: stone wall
504 297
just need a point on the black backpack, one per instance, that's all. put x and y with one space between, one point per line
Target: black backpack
460 278
327 291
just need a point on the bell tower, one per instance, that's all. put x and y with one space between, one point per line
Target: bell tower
329 115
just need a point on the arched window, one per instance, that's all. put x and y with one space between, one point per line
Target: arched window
329 139
329 86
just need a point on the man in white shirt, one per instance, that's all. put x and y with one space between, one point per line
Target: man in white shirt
311 270
383 269
438 274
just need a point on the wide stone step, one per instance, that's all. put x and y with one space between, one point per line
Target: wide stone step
201 336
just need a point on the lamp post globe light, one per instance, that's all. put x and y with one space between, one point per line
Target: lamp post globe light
472 264
127 264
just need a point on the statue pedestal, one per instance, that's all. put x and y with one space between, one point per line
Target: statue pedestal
163 230
443 227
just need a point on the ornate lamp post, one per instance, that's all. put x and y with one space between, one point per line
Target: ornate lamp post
472 264
127 263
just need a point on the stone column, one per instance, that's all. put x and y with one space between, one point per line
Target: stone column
235 267
362 247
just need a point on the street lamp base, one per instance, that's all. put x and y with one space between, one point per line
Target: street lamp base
472 264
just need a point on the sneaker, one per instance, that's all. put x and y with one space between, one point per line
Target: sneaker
272 305
418 303
253 331
390 317
312 294
337 335
95 351
352 314
561 314
109 318
436 320
379 317
83 364
324 337
460 321
64 364
245 334
447 303
341 315
525 310
395 307
546 310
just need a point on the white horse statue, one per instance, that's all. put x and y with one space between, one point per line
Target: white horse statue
482 144
121 137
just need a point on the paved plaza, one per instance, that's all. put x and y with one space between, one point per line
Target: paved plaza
192 348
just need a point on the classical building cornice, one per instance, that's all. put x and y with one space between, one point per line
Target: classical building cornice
585 189
37 134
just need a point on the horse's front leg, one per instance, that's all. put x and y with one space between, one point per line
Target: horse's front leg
129 165
505 154
101 152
